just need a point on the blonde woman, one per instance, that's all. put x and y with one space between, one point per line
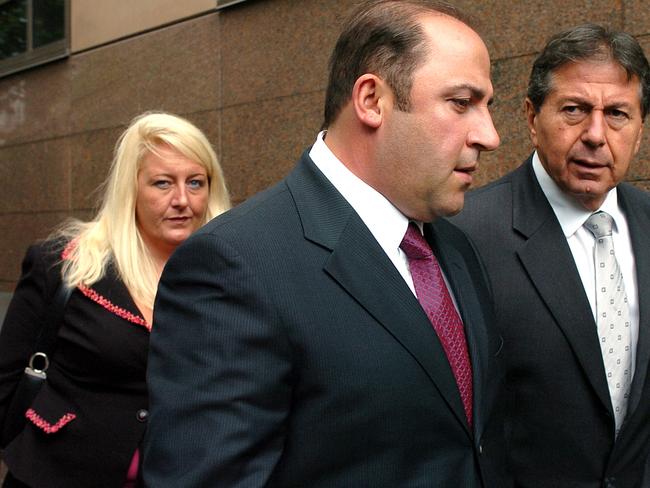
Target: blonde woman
86 423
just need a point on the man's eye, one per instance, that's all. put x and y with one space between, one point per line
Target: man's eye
461 103
572 109
575 113
617 114
617 119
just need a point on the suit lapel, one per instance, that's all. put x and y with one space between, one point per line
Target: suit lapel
638 218
552 270
363 270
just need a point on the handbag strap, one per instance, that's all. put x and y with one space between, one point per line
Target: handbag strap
47 338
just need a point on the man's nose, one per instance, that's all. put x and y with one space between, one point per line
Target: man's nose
484 135
595 129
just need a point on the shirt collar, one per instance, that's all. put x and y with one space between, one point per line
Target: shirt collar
386 223
570 214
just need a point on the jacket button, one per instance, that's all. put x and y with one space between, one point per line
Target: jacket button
142 415
480 448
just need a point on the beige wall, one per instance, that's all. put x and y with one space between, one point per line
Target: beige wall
96 22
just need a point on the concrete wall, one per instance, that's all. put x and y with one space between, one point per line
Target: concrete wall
252 76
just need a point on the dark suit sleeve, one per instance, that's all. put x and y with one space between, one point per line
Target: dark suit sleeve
218 374
23 322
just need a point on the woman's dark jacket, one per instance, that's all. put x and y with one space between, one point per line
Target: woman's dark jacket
89 418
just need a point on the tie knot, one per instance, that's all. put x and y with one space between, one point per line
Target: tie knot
414 245
599 224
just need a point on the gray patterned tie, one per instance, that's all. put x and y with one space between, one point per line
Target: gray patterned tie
613 317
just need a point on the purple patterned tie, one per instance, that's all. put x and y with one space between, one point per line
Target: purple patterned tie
434 297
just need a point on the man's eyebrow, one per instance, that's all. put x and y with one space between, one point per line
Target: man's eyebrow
579 100
617 104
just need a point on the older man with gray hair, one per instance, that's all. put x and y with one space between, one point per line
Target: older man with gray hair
567 247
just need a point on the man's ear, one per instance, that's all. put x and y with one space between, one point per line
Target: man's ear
531 115
368 100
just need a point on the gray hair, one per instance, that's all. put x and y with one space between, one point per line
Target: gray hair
589 42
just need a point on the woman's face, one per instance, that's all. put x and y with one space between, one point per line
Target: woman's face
172 199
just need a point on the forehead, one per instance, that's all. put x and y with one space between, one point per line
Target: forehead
167 158
455 54
598 81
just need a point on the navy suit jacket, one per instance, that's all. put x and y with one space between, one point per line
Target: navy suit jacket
560 424
288 351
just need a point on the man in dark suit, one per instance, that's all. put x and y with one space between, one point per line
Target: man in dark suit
289 347
576 326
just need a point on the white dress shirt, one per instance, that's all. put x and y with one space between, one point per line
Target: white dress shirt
386 223
571 216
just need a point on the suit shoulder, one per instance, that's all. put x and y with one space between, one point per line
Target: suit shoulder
249 215
632 192
495 190
634 202
452 233
484 203
448 229
494 196
257 227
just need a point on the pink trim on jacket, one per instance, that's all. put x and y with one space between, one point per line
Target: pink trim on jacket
67 250
111 307
103 301
44 425
132 473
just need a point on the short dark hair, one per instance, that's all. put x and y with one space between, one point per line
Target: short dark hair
383 37
589 42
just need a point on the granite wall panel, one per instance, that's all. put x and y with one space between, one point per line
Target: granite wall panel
19 231
35 177
636 16
93 23
510 80
278 48
522 27
34 105
640 168
176 69
263 140
209 122
90 159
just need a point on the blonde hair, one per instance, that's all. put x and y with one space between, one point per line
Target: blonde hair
112 237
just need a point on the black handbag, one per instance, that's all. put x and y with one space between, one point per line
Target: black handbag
35 373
